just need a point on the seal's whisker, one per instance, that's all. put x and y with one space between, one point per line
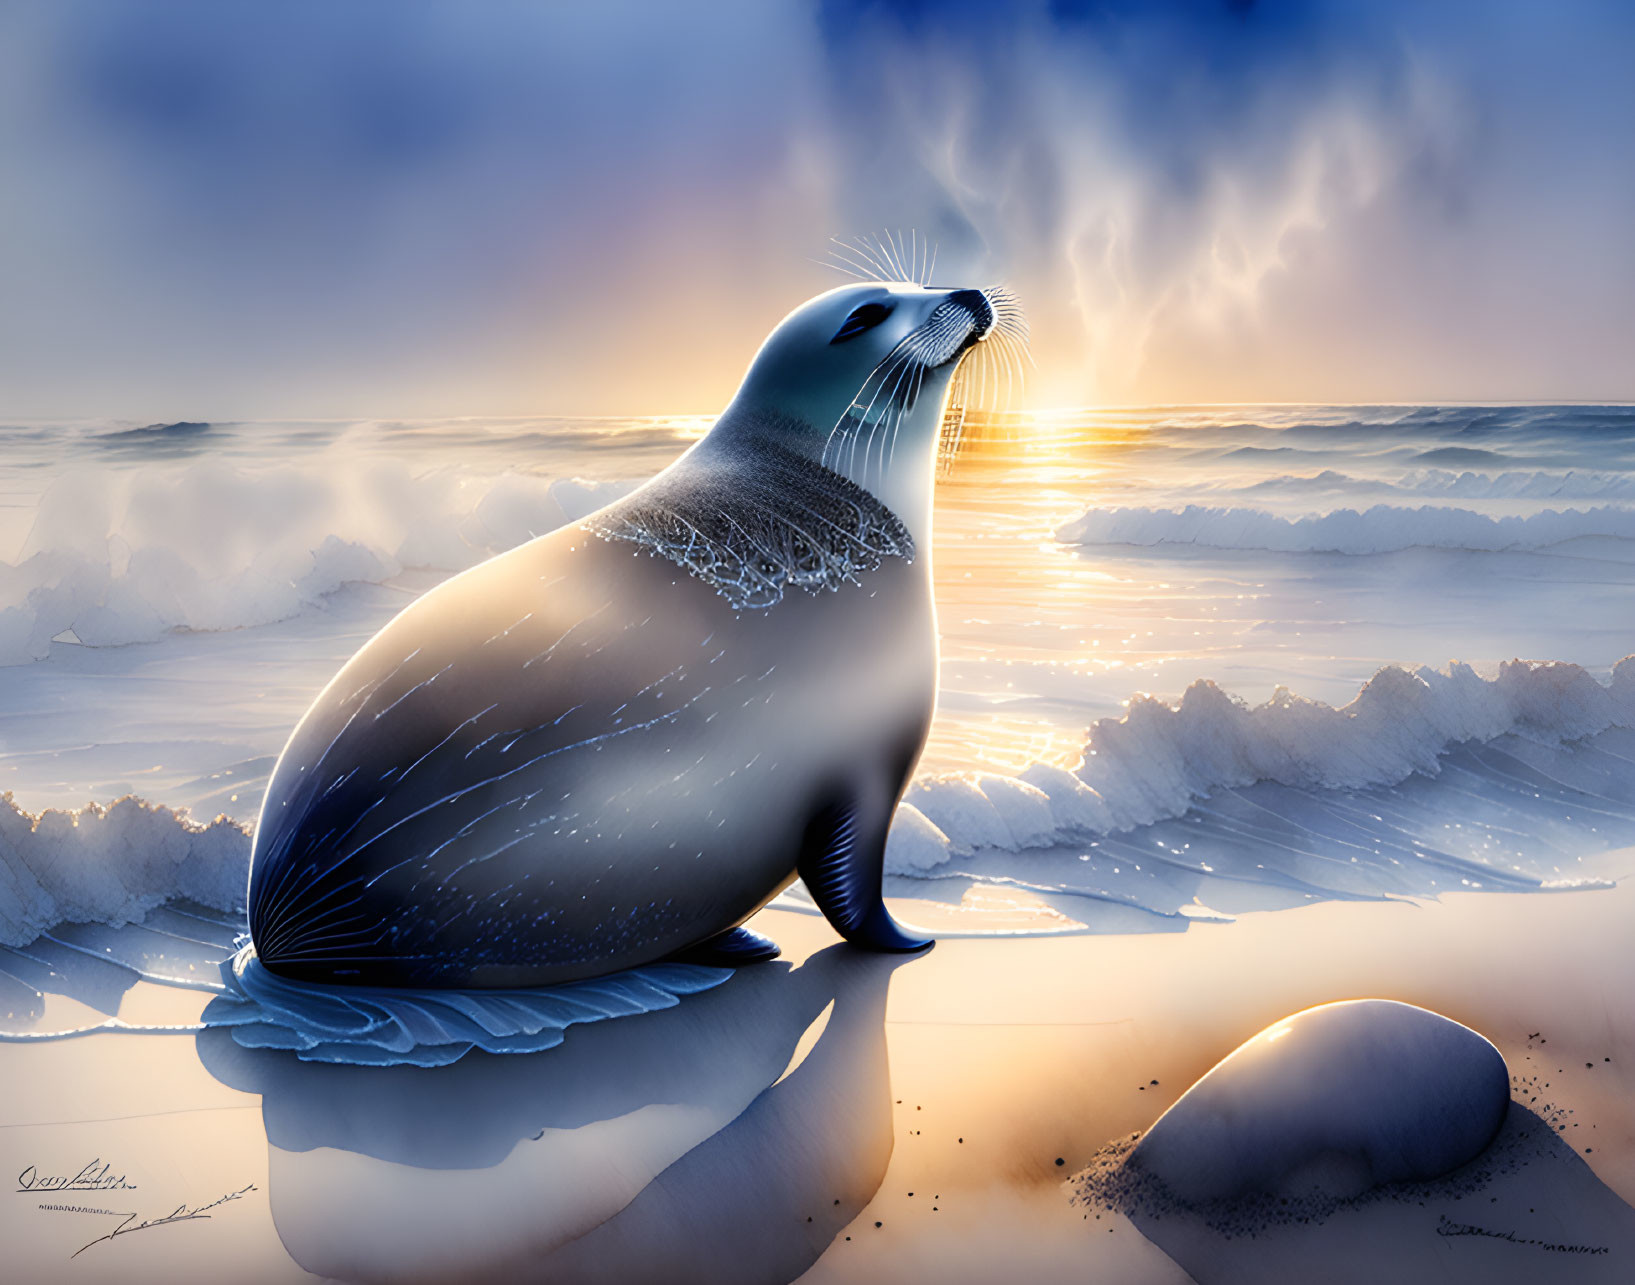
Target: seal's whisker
1014 375
853 405
878 245
891 255
880 427
1011 329
851 254
1011 319
848 253
877 254
952 431
838 267
897 256
882 371
956 386
871 248
893 419
888 438
895 408
918 386
1024 355
1001 379
1019 352
1021 356
896 356
1013 326
892 411
927 344
914 393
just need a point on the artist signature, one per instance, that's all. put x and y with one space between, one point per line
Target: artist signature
95 1176
181 1214
1447 1227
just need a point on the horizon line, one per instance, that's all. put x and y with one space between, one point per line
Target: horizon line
10 420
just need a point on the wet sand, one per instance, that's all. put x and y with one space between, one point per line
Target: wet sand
839 1117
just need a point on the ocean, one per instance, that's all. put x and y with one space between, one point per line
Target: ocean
1196 661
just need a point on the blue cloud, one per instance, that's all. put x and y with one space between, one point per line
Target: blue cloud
309 204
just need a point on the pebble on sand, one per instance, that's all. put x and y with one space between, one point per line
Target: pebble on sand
1341 1098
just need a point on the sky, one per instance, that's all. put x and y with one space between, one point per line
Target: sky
228 210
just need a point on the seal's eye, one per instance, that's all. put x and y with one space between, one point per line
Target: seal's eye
863 318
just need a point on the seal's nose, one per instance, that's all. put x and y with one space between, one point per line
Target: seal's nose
980 309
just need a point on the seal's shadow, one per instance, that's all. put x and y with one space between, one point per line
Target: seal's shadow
673 1146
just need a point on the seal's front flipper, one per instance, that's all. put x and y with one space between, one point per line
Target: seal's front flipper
841 866
730 949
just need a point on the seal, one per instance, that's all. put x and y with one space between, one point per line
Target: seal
612 745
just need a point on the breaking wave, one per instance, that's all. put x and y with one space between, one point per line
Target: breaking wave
124 558
1160 762
1384 528
112 865
1426 780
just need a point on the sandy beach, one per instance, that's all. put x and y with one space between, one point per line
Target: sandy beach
835 1116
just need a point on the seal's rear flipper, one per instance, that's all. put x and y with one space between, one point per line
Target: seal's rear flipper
841 869
729 949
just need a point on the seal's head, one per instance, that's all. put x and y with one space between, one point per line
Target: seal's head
857 379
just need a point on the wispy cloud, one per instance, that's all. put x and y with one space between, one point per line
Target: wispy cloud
227 208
